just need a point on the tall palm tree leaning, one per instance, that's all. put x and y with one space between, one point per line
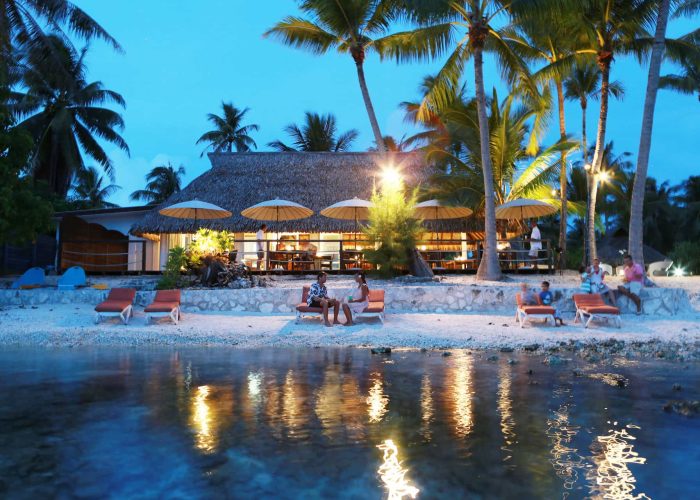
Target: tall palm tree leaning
90 191
229 133
163 181
318 133
636 228
431 40
347 26
64 114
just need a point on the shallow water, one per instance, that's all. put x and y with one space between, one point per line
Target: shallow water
305 423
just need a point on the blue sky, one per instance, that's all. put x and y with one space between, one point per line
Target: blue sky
182 58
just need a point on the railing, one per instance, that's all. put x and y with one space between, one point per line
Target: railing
103 256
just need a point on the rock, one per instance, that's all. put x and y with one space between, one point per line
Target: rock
577 373
381 350
677 387
492 359
612 379
682 407
506 349
554 360
512 361
531 347
446 353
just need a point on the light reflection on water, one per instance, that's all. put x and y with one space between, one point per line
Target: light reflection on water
336 423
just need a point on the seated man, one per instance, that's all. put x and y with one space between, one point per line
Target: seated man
318 297
633 282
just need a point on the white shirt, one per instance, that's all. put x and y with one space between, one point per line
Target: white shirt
260 236
535 235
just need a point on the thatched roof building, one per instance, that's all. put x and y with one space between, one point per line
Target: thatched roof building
237 181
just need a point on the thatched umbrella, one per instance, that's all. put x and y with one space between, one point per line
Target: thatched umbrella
435 210
523 208
195 209
277 210
354 209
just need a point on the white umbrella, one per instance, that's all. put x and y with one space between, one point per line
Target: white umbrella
355 209
277 210
436 210
195 209
524 208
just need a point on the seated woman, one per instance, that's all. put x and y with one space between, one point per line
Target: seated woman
358 299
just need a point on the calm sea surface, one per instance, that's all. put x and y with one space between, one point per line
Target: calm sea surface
339 423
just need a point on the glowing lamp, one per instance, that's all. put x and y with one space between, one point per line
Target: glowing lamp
678 271
391 178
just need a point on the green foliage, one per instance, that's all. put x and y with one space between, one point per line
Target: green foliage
162 182
686 255
23 212
207 242
229 133
177 262
395 230
318 133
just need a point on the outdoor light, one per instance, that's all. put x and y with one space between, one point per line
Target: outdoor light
554 192
678 271
391 177
587 167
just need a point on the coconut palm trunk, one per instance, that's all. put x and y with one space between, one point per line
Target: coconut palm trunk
563 177
604 61
488 267
636 229
359 57
584 145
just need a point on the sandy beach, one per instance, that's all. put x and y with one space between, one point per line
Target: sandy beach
72 325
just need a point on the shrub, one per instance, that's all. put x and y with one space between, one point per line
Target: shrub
687 255
177 261
393 227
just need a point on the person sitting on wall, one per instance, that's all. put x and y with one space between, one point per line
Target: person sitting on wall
318 297
633 282
597 275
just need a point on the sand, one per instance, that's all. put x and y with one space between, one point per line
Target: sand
73 325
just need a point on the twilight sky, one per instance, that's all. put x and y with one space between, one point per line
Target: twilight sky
182 58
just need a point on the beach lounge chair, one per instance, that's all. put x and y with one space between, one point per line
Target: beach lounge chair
72 278
591 307
119 302
526 313
165 304
32 278
375 307
660 268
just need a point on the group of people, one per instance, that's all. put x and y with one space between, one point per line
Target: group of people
356 302
593 281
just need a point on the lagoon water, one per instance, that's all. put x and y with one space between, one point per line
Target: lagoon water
339 423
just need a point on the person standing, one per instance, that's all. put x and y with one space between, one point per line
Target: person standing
633 281
260 243
535 243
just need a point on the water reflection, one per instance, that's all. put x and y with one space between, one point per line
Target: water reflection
201 419
294 411
564 458
613 478
505 409
459 380
377 401
393 475
426 406
339 405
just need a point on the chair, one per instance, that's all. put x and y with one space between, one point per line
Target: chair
660 268
592 306
165 304
72 278
119 302
32 278
527 313
375 308
608 269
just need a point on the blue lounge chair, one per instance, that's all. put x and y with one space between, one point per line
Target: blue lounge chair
32 278
72 278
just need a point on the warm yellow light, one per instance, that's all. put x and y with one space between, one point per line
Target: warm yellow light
391 178
587 167
604 176
202 420
423 248
393 474
377 401
554 192
678 271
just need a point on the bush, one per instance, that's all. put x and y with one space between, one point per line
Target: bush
687 256
393 227
177 261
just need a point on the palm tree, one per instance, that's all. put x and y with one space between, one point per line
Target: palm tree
89 190
229 131
63 113
352 27
23 24
318 133
162 182
688 82
467 32
636 228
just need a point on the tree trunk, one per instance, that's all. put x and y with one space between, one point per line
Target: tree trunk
598 154
584 139
563 178
370 108
636 229
584 145
488 267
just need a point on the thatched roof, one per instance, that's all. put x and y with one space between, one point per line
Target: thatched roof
237 181
609 248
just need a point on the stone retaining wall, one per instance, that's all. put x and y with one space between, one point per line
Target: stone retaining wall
424 299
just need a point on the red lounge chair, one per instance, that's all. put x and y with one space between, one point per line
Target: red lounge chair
527 313
375 308
119 303
165 304
590 307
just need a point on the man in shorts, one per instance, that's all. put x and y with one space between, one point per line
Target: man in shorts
260 243
633 282
318 297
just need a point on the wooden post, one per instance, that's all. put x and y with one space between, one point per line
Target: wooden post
143 256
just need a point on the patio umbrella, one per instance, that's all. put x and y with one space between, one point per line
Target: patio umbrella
355 209
277 210
435 210
195 209
523 208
